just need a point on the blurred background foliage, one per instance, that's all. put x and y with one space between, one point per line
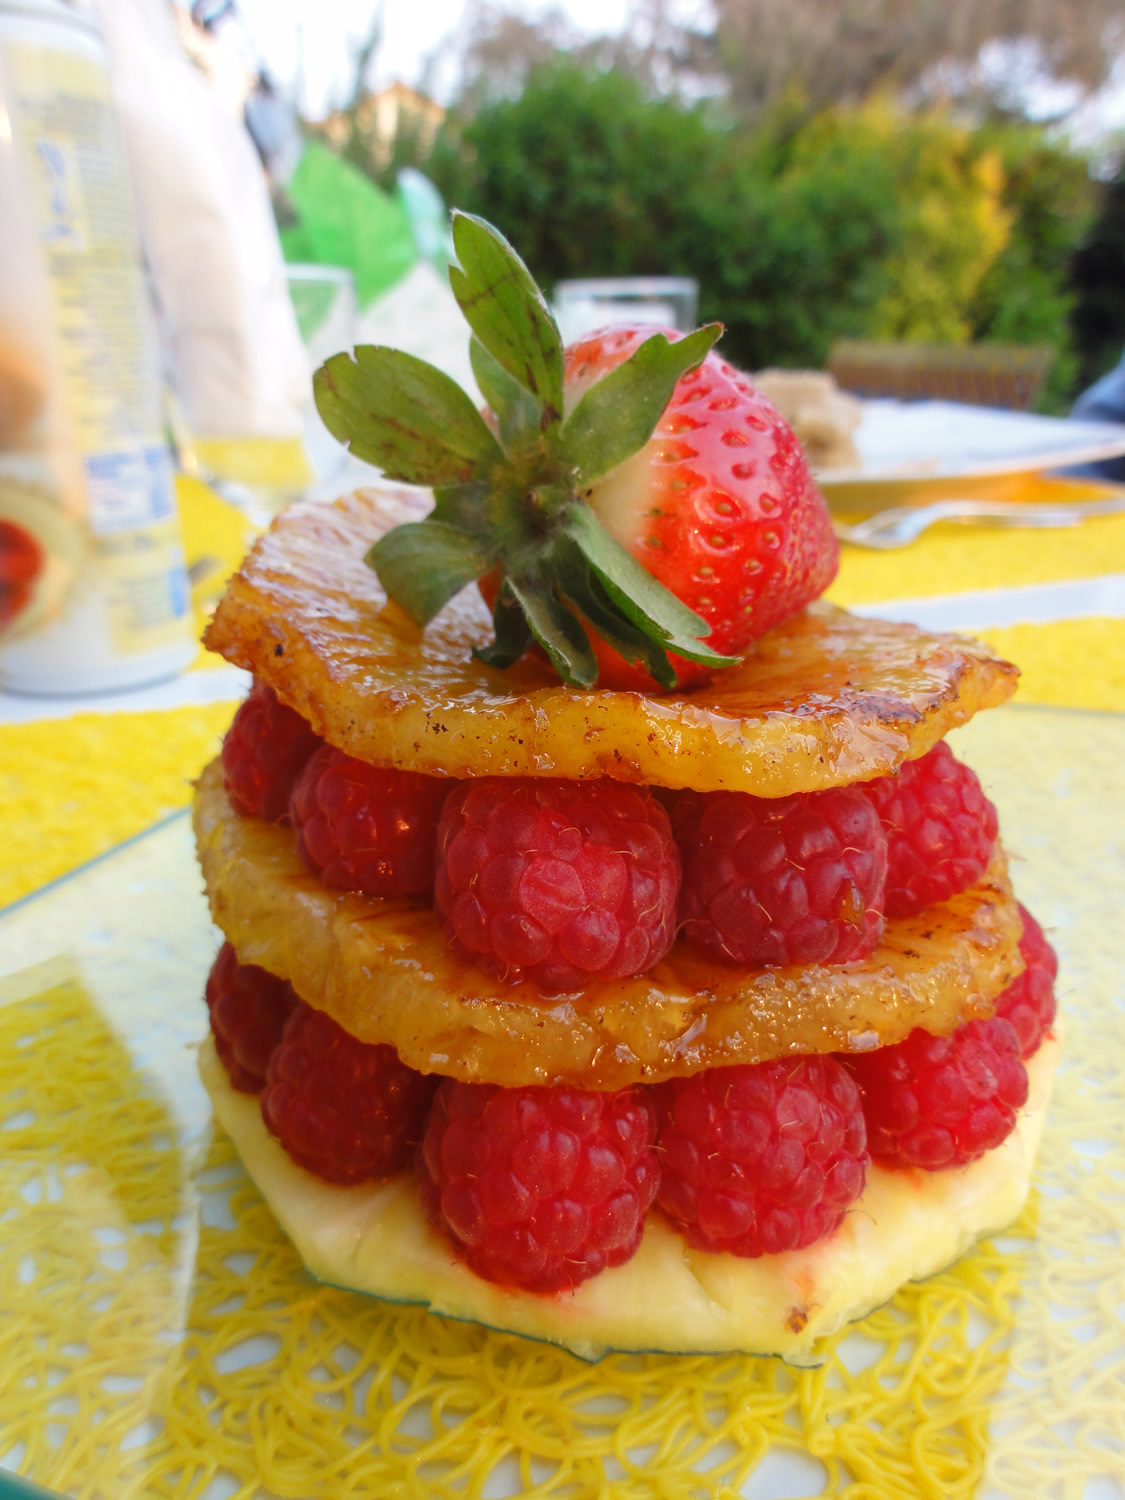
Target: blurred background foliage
821 198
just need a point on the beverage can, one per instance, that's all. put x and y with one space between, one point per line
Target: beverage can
93 588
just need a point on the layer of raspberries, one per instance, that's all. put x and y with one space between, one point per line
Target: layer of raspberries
561 883
541 1188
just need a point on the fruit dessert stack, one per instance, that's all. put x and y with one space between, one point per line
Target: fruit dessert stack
616 951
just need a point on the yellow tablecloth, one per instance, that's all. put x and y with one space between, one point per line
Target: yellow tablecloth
905 1413
70 789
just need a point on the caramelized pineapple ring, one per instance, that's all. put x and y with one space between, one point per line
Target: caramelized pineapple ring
384 971
822 700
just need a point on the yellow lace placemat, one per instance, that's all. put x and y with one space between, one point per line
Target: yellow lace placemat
158 1335
72 788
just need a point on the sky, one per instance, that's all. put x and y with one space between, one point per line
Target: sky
309 46
328 31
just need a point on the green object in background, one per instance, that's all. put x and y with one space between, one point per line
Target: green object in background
428 217
345 220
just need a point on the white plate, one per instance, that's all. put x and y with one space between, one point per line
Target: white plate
903 442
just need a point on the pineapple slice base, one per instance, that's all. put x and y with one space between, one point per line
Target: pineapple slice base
669 1298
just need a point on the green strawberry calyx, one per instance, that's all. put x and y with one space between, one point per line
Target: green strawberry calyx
508 496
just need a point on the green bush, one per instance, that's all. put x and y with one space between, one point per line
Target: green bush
864 221
588 176
952 222
1026 296
1098 287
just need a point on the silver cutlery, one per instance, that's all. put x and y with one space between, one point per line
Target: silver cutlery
904 524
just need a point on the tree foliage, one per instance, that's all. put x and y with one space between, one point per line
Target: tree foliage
952 219
1098 281
589 176
825 52
1027 295
866 221
793 58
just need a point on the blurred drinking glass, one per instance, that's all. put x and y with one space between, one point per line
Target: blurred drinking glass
325 303
582 306
263 475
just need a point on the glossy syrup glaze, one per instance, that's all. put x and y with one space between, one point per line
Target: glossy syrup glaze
822 700
383 969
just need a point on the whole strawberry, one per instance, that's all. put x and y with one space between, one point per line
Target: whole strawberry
559 882
539 1188
263 754
639 511
719 505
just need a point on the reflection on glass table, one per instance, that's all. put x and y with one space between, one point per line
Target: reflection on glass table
159 1337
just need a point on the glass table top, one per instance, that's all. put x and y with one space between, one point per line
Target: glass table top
158 1335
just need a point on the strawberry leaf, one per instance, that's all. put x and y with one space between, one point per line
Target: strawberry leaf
557 630
636 594
507 311
400 413
422 564
513 633
618 414
581 587
516 410
464 506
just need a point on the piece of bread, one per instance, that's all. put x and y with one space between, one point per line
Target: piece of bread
823 417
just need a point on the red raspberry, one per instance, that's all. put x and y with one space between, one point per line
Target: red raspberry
343 1109
249 1008
761 1158
782 880
361 828
539 1187
1029 1001
937 1102
264 752
560 882
940 830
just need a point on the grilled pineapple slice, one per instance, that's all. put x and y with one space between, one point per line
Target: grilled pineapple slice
385 972
669 1297
822 700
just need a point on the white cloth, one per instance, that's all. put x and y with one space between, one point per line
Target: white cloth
208 234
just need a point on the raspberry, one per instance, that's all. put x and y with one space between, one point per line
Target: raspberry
785 880
763 1157
937 1102
342 1109
364 829
539 1187
940 830
249 1008
264 752
1029 1001
560 882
